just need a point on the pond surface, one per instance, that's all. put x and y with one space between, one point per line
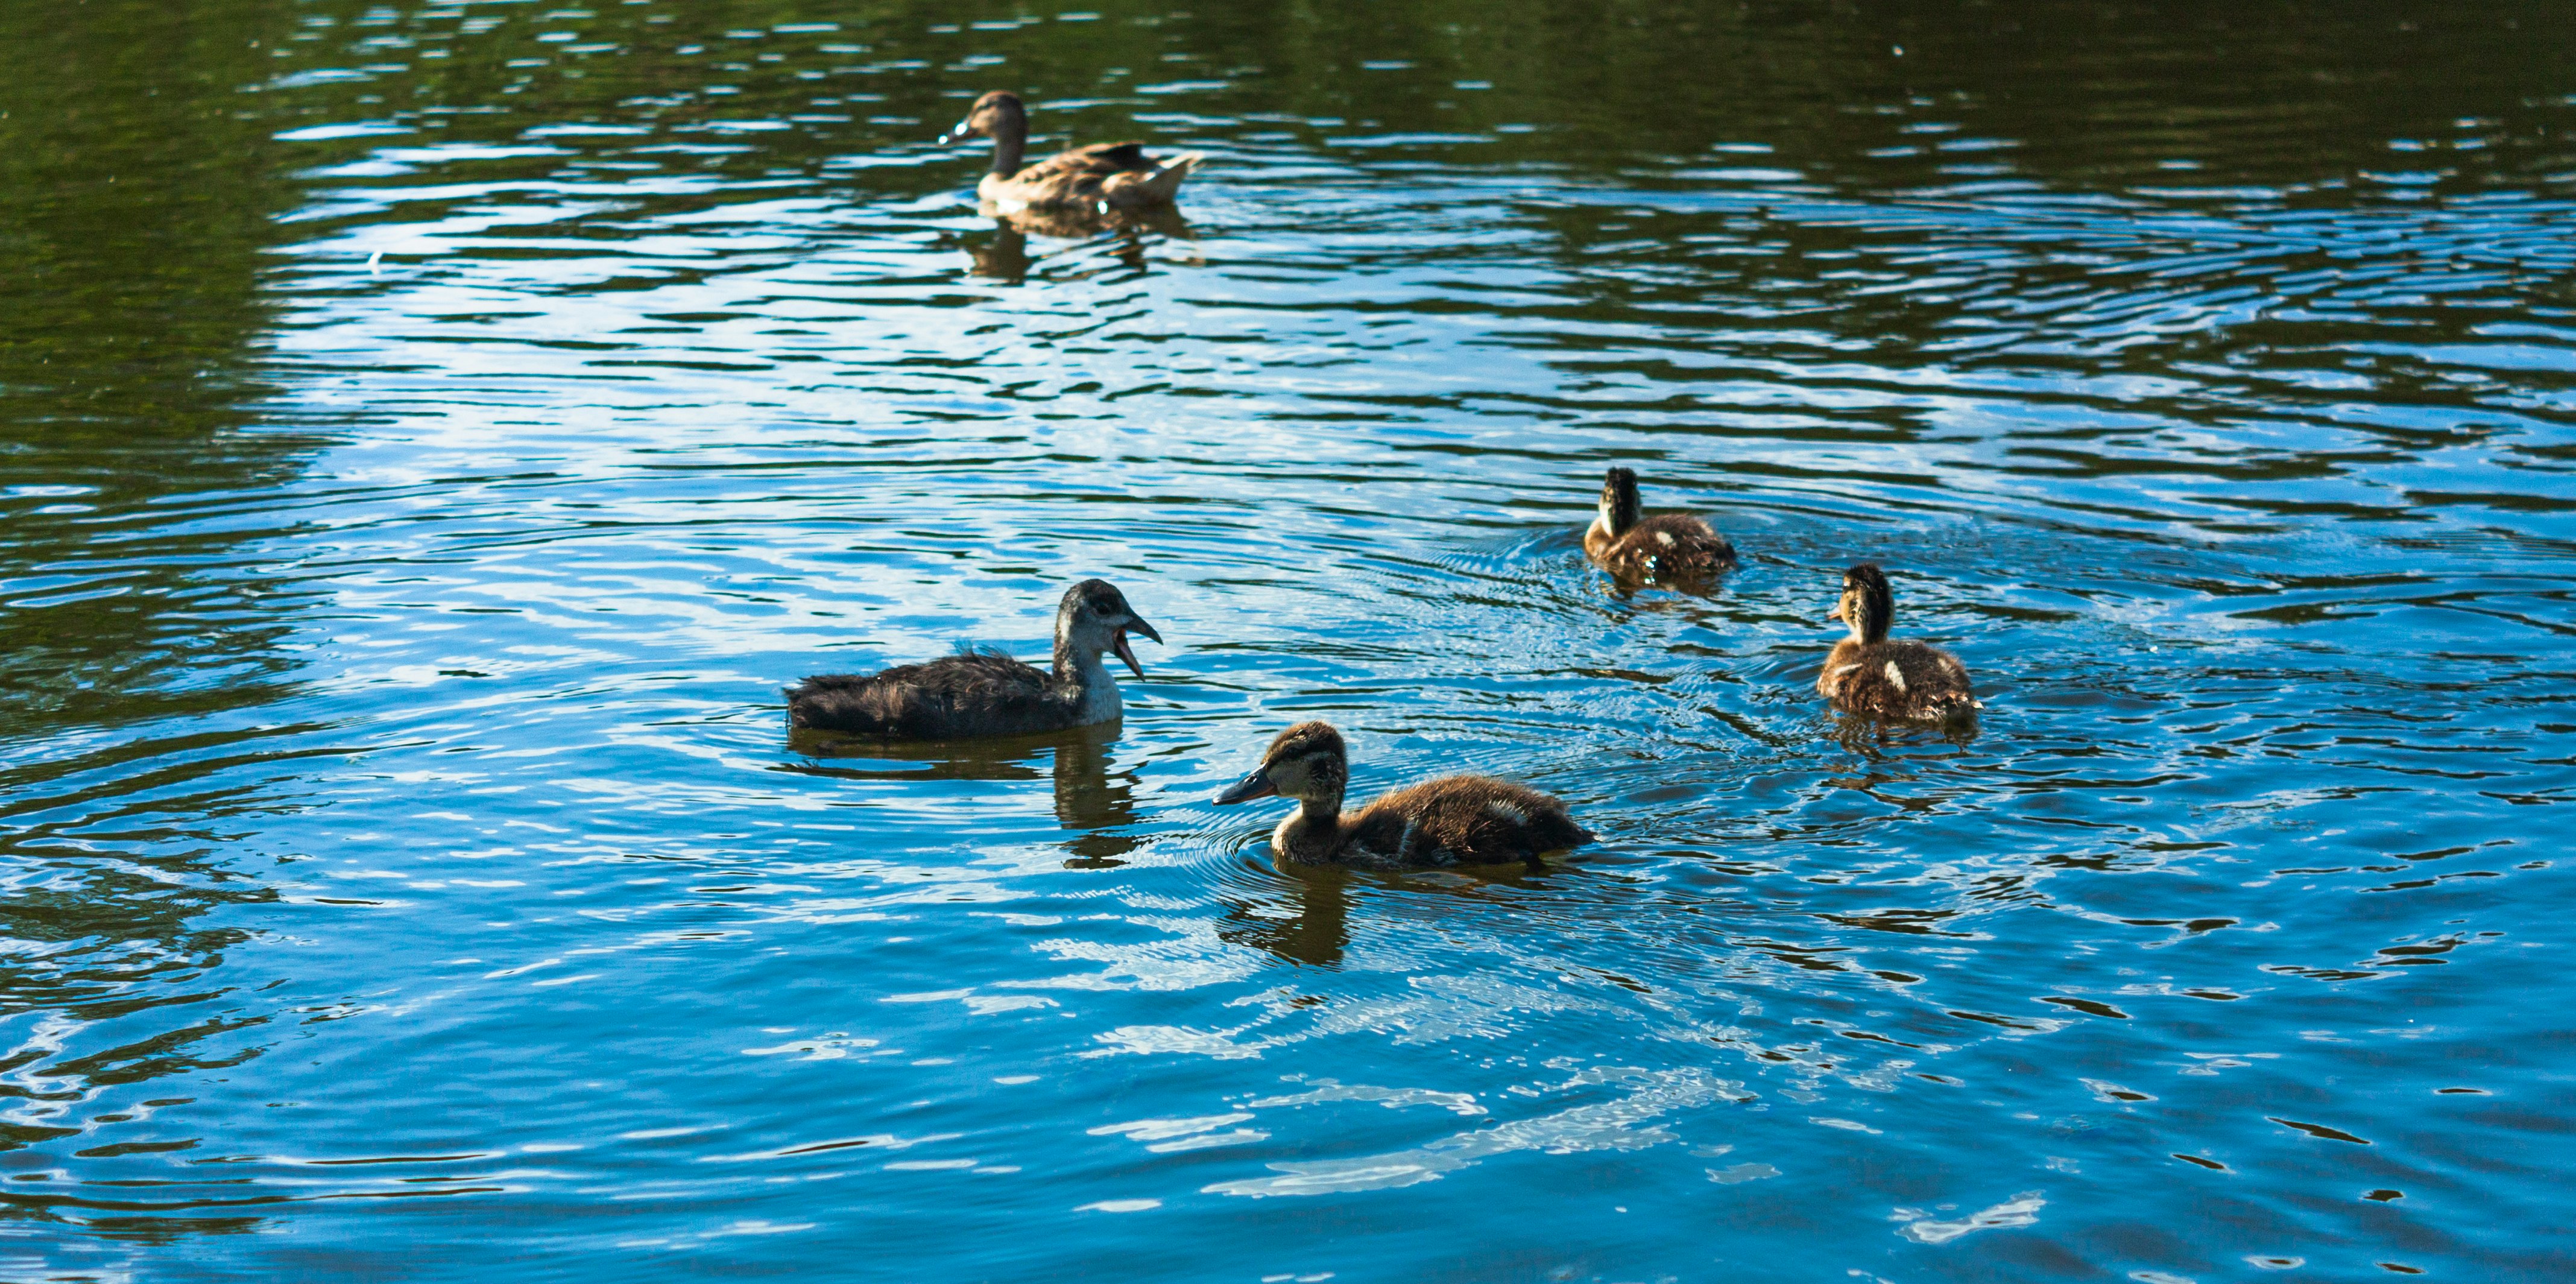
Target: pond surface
430 435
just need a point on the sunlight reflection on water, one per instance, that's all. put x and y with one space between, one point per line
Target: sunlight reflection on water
410 856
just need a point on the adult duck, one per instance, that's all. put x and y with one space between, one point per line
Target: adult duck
1667 548
1116 176
1455 820
985 693
1901 679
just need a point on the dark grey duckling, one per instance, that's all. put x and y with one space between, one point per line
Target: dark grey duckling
986 693
1455 820
1904 680
1665 548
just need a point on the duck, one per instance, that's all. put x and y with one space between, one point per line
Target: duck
977 693
1666 548
1116 176
1902 680
1451 821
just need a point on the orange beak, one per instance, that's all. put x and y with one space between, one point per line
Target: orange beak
1837 613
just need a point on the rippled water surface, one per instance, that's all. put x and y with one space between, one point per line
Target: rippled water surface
430 435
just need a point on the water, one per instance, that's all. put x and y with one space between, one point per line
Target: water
434 433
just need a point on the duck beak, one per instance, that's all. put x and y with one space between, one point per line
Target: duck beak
1256 785
957 133
1837 613
1118 642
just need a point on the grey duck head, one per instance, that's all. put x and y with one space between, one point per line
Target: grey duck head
1094 617
1867 605
1305 762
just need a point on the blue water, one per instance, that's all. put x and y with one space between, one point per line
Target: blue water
427 458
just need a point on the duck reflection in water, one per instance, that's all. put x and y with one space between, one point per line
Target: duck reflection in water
1124 237
1301 912
1873 737
1310 925
1095 804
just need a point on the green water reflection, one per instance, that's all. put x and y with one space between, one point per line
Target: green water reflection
429 433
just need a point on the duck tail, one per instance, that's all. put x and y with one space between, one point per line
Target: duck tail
1166 178
1156 186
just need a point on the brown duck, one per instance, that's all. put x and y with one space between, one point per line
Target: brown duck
1667 548
986 693
1103 175
1903 680
1455 820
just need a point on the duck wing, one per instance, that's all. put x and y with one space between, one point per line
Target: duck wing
1079 174
1107 158
1147 188
1462 820
1674 546
1903 679
972 693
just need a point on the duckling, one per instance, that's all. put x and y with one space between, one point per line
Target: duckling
1111 175
1668 548
1905 680
1455 820
986 693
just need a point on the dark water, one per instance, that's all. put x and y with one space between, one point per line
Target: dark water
409 875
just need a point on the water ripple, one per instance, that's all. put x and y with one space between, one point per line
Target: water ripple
403 556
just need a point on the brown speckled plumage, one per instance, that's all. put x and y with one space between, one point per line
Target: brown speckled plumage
1901 680
1117 175
1667 549
986 693
1455 820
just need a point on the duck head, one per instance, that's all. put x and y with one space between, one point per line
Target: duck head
1866 605
1618 501
997 115
1094 617
1307 763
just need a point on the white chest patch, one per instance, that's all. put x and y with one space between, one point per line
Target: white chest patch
1101 701
1894 676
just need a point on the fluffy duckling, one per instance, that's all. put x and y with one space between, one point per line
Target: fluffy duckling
986 693
1115 175
1455 820
1667 548
1906 680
